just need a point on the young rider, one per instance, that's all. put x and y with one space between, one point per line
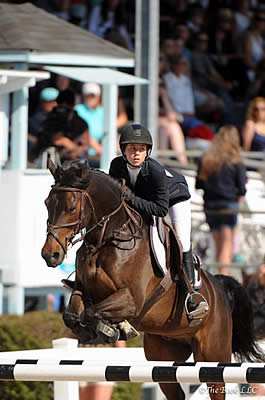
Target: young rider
156 191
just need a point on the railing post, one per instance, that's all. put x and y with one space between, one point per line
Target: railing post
66 390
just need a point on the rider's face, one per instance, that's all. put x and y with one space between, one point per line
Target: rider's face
136 153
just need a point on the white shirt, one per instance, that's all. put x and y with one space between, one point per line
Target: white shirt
180 91
133 173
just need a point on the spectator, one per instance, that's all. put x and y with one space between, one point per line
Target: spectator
172 47
48 101
207 103
196 18
168 119
222 177
65 130
91 111
180 92
257 87
224 51
206 77
179 86
110 15
253 48
242 17
253 133
183 32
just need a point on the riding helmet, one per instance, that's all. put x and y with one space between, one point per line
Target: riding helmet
136 133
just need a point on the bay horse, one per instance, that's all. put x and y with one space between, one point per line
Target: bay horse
115 277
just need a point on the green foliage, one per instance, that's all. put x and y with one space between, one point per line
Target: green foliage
127 391
30 331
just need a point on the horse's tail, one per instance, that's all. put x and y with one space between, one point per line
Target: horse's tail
244 345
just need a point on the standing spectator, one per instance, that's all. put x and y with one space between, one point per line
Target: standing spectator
222 177
253 133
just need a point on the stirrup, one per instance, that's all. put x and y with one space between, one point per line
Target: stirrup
127 331
201 309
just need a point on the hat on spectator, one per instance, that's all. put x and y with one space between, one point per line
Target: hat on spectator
49 94
91 88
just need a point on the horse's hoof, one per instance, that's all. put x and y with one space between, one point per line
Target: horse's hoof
127 331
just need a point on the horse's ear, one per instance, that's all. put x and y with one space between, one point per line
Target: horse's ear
51 166
84 169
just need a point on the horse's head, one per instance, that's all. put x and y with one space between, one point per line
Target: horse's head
66 204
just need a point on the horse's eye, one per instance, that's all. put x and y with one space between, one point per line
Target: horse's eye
71 210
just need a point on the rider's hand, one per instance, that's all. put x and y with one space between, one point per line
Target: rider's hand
129 196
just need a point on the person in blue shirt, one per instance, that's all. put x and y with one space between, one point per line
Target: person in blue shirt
222 176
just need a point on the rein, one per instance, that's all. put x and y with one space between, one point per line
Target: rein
79 224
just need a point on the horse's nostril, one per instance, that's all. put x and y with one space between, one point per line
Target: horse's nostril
55 255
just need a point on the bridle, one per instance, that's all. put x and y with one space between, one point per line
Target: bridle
79 224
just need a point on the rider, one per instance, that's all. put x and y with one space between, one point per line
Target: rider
156 191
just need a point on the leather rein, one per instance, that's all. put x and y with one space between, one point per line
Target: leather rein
79 224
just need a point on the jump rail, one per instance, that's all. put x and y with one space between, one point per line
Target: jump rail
91 371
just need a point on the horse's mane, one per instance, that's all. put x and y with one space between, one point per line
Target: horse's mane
77 174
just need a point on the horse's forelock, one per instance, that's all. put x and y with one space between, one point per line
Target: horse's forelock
78 174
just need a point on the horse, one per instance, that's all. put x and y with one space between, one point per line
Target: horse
116 278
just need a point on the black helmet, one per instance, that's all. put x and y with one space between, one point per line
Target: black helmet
136 133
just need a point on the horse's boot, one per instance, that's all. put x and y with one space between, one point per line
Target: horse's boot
195 310
68 283
127 331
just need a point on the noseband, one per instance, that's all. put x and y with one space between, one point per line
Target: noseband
102 223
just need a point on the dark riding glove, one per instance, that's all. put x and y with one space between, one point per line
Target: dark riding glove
129 196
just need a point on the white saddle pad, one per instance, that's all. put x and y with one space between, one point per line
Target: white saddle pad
158 248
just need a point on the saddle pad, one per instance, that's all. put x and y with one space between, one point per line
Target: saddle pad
157 248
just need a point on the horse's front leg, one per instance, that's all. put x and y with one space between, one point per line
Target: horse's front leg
110 314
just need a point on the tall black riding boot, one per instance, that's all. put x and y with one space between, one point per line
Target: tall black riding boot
188 266
196 310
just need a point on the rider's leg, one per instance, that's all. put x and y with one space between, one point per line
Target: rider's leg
181 219
180 215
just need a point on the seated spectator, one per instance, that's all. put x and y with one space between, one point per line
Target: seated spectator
91 111
206 101
253 45
172 47
207 78
111 14
256 88
253 133
48 98
65 130
222 176
196 18
180 92
226 54
242 17
179 86
183 32
168 120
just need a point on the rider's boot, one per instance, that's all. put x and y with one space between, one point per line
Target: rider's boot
195 309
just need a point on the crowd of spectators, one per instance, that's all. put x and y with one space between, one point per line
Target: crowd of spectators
211 67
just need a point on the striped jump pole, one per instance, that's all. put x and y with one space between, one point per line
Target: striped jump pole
89 371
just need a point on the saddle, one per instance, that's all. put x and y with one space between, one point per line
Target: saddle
167 250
